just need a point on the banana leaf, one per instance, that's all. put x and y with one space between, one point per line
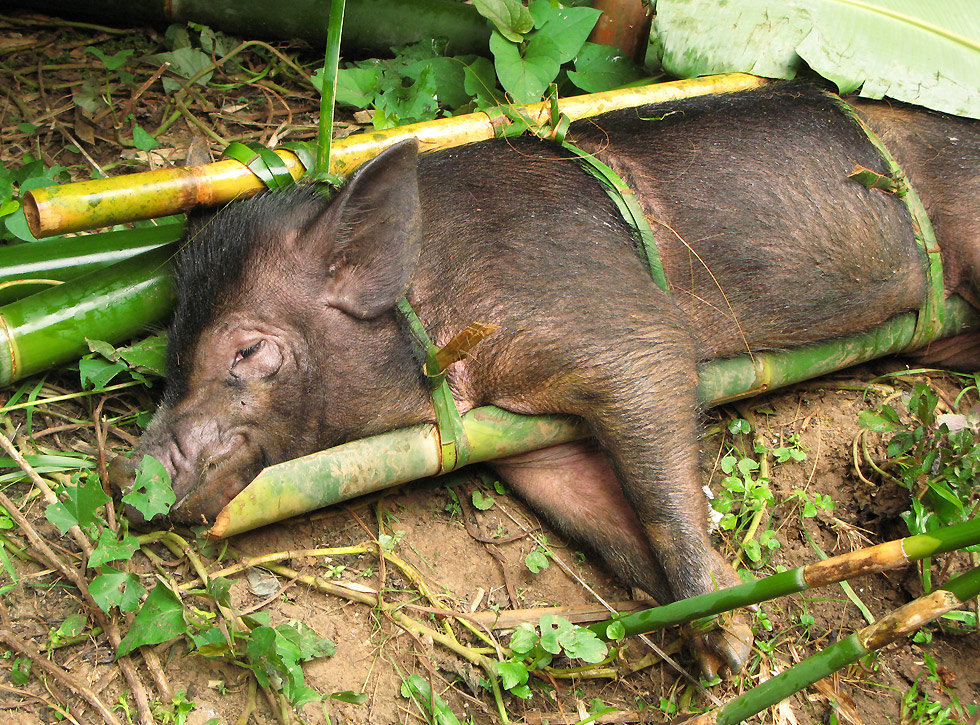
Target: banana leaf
918 51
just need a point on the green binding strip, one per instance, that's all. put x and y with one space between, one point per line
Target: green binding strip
264 163
932 314
612 183
454 445
624 198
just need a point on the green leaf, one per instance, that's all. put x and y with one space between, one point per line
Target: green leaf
583 644
20 671
418 690
185 62
114 588
74 624
152 493
109 549
510 18
97 372
480 80
149 355
80 506
920 52
143 140
550 630
525 76
567 28
602 68
512 674
111 62
481 501
355 86
536 561
524 639
160 618
615 630
354 698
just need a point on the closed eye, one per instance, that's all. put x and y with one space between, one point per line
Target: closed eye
247 352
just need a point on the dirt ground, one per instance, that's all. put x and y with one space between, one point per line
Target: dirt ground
458 558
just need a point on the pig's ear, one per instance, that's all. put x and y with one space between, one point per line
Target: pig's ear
374 226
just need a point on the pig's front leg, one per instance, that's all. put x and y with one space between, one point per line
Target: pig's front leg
638 500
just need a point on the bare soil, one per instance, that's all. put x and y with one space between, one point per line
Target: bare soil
452 562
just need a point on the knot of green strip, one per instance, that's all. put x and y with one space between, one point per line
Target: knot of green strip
932 314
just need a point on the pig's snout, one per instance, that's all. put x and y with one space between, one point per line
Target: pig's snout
207 467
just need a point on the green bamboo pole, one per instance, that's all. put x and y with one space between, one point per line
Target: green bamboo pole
883 557
112 304
331 62
103 202
899 623
327 477
372 26
29 268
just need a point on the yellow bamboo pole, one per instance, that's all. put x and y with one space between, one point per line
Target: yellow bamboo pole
103 202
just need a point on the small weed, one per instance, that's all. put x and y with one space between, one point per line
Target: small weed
919 707
534 648
540 558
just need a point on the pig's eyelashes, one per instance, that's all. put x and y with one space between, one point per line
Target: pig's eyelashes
260 359
247 352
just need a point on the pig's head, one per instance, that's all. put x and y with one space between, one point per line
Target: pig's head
284 340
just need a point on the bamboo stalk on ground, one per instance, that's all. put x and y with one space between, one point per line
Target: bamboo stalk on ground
899 623
874 559
50 328
30 268
104 202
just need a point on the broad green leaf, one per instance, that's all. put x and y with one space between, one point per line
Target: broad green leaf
918 51
417 689
80 506
583 644
512 674
110 549
354 698
510 18
114 588
551 628
152 492
160 618
602 67
356 86
111 62
143 140
536 561
308 643
567 28
149 355
525 76
275 659
524 639
98 373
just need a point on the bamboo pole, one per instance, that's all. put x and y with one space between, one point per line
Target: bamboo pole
363 466
898 624
103 202
50 328
872 560
372 26
30 268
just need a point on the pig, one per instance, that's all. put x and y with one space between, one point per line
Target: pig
286 339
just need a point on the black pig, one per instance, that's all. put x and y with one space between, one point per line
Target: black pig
285 339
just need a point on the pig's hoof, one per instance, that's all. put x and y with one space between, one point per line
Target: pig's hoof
726 645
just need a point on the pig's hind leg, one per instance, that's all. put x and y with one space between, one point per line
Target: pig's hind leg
574 488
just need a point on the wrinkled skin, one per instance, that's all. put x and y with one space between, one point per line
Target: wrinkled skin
285 339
